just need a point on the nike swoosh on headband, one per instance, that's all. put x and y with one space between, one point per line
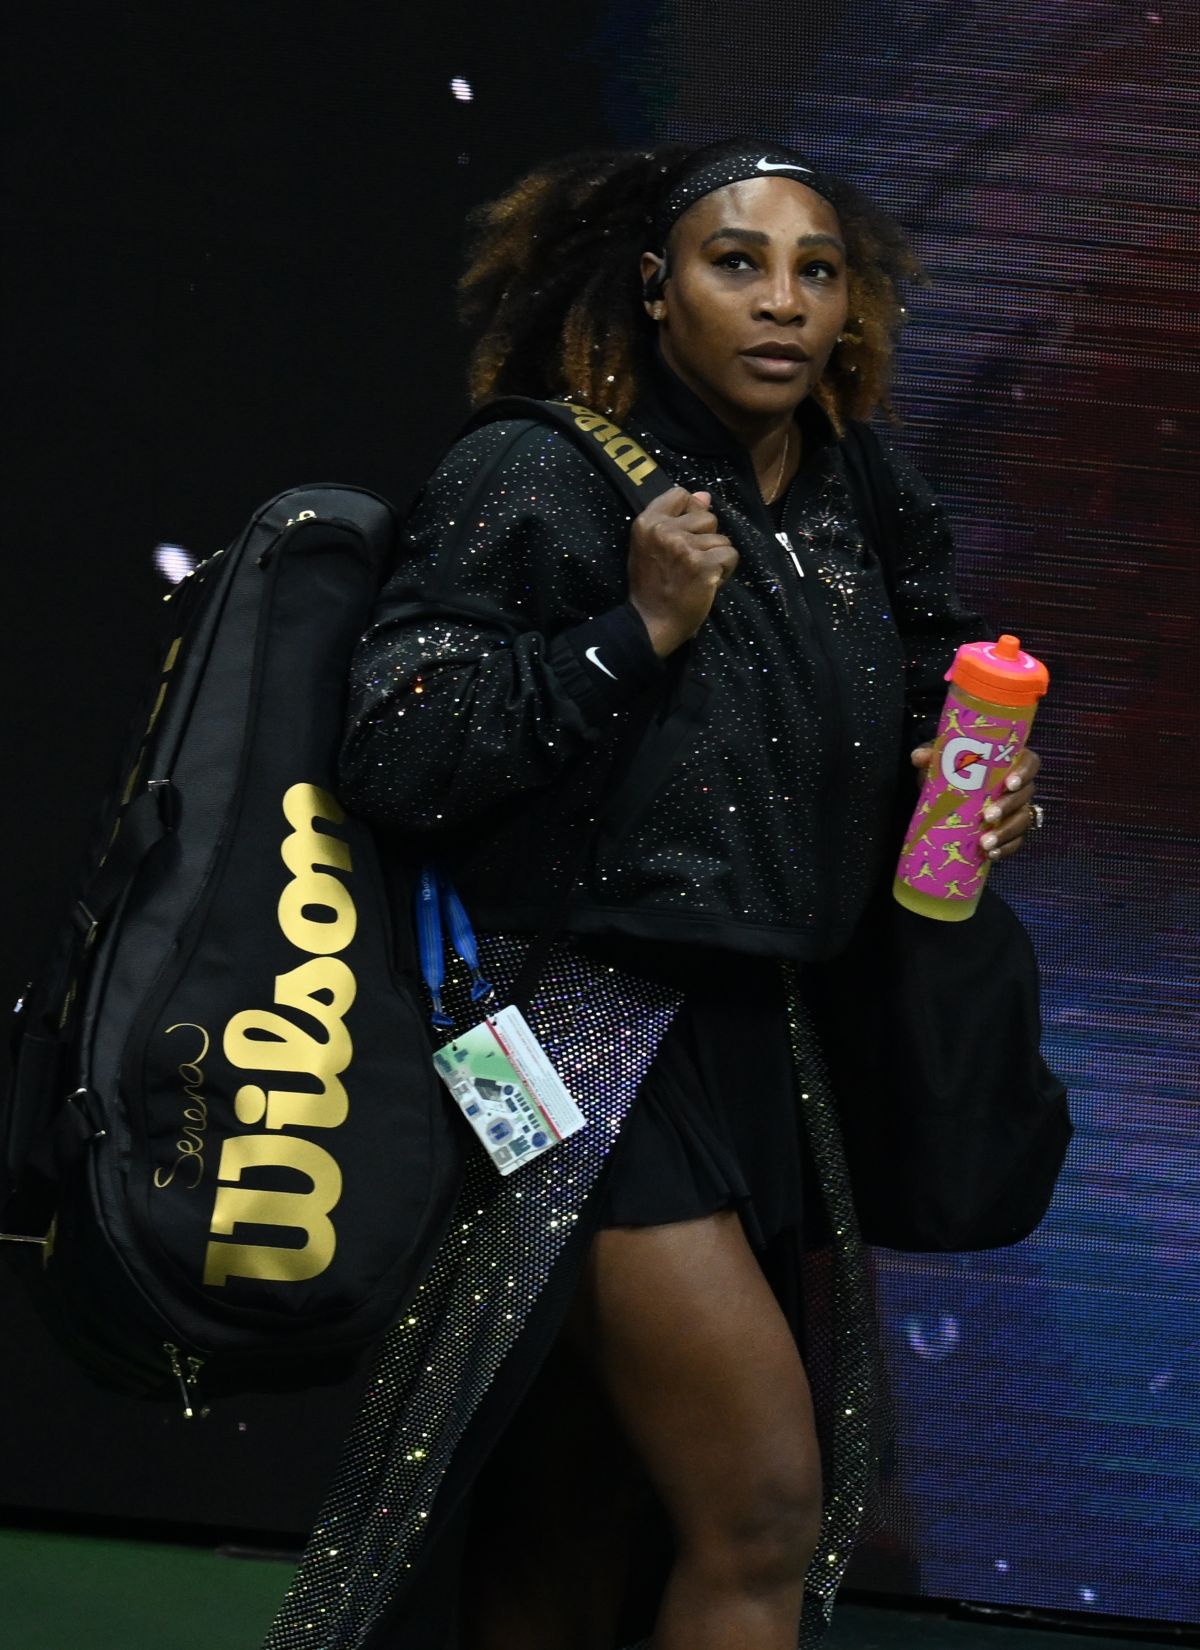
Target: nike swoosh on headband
766 165
593 657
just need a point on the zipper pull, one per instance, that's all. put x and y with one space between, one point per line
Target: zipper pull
186 1380
787 545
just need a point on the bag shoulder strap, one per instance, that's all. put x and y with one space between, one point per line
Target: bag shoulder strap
638 478
875 494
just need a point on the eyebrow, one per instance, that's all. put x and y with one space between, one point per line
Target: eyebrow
758 237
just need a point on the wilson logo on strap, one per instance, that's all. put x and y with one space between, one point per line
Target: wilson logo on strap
621 448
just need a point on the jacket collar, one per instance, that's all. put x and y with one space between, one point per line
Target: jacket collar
676 414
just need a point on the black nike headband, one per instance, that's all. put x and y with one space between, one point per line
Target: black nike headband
719 164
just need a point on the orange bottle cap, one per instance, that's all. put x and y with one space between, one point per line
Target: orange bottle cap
999 671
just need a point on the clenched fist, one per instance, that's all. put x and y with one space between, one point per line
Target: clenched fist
677 563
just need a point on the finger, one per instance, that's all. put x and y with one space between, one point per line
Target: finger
922 756
1006 849
1024 771
699 521
677 501
1006 807
1002 839
707 542
719 562
682 529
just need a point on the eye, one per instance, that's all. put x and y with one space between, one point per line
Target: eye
822 270
734 260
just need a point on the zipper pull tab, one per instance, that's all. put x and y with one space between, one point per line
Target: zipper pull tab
787 545
186 1380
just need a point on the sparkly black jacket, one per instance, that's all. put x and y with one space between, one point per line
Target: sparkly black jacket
506 694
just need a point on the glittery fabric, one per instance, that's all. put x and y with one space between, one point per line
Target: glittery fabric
808 723
600 1027
765 822
849 1416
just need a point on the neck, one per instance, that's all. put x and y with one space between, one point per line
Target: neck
765 438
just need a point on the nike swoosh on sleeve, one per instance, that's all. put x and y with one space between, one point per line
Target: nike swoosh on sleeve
593 658
765 165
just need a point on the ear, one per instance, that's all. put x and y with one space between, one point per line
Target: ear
653 271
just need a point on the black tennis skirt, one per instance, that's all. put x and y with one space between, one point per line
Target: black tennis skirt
716 1123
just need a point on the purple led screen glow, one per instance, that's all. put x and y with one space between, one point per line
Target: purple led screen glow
1044 157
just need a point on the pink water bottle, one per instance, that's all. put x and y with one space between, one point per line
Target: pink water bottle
994 690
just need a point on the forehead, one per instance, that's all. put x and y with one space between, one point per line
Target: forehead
779 207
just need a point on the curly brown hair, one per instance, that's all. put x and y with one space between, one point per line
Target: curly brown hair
553 281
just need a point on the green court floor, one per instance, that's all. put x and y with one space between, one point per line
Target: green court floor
72 1592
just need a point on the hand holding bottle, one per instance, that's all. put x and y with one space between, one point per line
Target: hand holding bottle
1009 819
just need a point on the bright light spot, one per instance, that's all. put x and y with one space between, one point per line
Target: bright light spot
173 562
461 89
932 1343
1088 1595
1002 1566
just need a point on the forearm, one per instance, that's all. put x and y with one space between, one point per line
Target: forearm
448 721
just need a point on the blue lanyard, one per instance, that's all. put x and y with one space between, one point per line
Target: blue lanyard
436 900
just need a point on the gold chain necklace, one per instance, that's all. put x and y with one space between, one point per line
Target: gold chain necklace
787 446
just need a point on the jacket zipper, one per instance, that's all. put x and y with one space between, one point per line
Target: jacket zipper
825 676
787 545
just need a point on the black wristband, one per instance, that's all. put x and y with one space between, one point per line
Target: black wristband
605 663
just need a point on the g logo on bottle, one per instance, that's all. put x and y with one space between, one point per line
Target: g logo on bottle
964 763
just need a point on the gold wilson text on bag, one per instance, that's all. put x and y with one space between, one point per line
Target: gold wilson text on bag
262 1041
623 449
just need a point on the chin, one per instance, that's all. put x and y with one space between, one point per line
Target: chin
771 400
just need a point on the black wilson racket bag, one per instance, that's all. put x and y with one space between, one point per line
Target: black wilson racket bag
224 1113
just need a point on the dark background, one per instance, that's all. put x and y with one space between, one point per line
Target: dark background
233 233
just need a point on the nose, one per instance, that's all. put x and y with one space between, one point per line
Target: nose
782 301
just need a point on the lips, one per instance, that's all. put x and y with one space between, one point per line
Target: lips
777 352
776 362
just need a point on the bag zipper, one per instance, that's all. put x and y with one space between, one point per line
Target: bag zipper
186 1371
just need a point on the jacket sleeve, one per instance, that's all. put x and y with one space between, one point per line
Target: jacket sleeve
932 619
503 647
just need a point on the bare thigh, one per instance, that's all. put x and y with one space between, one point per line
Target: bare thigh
705 1377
